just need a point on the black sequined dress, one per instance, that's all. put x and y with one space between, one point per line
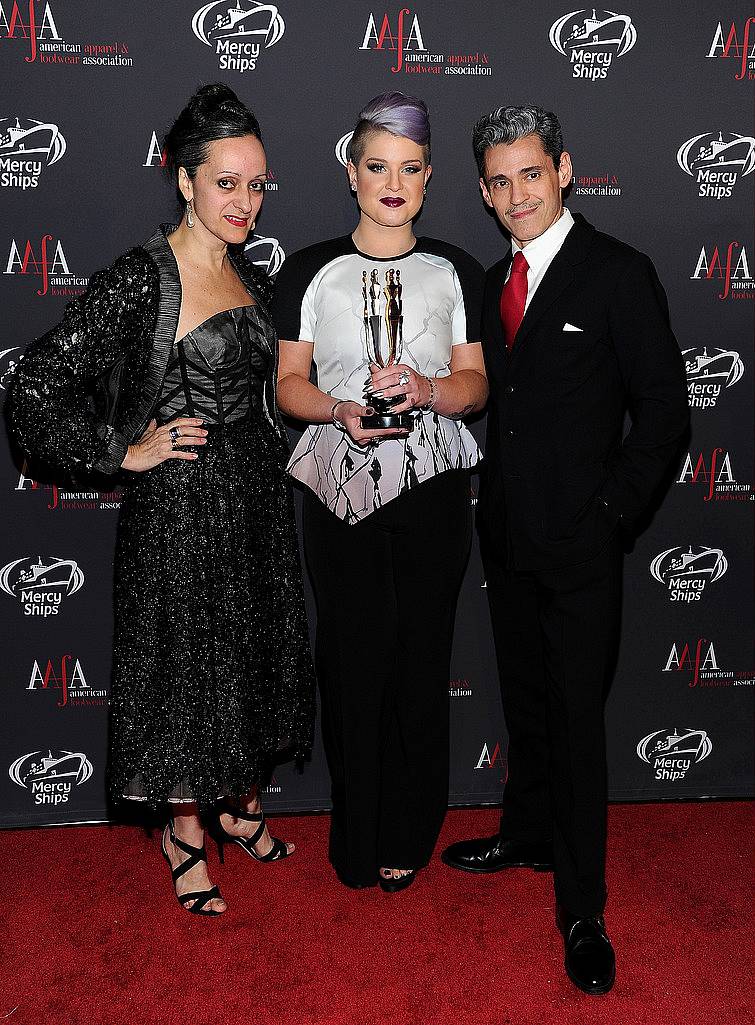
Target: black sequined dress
212 671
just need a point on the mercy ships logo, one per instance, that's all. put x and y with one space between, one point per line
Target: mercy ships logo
591 39
41 586
709 372
687 573
238 34
716 162
671 754
51 778
25 149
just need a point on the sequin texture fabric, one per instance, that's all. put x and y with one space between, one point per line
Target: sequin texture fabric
211 672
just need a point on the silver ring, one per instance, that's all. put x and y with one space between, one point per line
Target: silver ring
173 444
174 432
403 377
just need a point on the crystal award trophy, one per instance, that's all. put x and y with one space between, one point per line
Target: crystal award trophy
384 334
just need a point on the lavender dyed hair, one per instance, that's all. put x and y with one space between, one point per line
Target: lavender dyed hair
396 113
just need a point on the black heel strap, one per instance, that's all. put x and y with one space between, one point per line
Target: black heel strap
196 855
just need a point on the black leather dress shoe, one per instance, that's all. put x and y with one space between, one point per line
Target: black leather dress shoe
493 853
588 955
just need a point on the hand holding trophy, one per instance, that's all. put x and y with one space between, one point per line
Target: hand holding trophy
383 353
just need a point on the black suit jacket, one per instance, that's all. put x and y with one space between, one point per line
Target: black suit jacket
558 477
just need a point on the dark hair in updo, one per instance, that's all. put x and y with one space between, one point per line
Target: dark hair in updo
214 112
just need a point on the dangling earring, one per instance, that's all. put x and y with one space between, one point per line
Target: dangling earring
189 214
424 190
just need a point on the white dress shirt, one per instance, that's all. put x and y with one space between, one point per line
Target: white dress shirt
540 251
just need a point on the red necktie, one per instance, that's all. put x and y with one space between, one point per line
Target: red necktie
514 298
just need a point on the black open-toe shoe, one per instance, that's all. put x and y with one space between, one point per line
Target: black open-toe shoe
247 843
395 884
196 855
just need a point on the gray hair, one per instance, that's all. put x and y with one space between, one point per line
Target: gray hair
507 124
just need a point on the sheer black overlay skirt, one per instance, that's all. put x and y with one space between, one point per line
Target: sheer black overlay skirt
212 672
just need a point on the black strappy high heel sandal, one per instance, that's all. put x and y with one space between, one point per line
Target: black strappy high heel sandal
247 843
196 855
394 884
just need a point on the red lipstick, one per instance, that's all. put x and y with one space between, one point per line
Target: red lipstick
392 201
238 222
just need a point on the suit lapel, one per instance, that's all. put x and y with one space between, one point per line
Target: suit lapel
495 354
556 280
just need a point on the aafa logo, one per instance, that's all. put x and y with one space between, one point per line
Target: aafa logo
342 149
716 162
686 573
25 149
672 753
238 33
41 586
488 759
729 266
65 677
266 253
737 45
591 38
699 661
406 35
713 471
46 261
51 777
33 29
709 371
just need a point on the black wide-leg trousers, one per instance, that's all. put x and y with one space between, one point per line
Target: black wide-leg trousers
556 636
386 591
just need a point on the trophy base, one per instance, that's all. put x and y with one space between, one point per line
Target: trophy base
386 421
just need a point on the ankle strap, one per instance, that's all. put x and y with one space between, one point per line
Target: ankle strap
238 813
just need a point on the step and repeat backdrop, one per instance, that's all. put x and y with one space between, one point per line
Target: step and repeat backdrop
656 102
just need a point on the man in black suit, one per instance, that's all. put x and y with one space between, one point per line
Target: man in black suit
576 334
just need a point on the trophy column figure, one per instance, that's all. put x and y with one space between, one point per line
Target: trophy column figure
384 353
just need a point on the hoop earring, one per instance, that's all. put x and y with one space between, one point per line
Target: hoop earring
189 214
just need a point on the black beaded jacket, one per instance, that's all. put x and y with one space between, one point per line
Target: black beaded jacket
86 389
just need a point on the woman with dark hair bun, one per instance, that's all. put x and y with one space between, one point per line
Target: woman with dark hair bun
387 510
165 368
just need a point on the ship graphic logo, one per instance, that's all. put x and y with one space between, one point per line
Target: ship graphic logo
25 576
595 30
677 565
266 253
71 766
8 363
717 152
247 21
342 149
677 744
31 138
703 364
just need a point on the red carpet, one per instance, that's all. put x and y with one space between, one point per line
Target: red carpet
97 939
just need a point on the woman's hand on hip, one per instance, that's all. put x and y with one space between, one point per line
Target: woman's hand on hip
348 415
160 443
388 382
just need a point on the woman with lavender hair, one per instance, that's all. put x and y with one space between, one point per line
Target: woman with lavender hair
387 520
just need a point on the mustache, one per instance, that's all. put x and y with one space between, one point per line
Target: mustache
521 209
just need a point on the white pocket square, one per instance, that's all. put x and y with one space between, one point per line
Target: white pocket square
571 327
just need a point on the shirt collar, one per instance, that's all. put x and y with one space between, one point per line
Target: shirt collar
545 246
